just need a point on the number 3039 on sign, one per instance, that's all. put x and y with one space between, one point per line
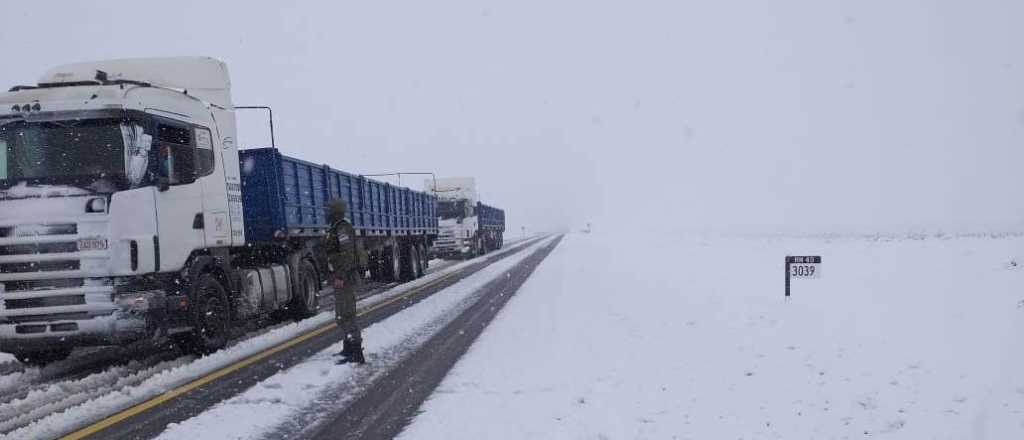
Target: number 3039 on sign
805 270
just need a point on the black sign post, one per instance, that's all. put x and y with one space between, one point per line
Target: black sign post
800 260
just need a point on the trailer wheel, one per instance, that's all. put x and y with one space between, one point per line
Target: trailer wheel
306 303
424 260
376 267
392 263
211 320
416 260
410 260
42 358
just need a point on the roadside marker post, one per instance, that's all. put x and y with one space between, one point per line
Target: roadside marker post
802 267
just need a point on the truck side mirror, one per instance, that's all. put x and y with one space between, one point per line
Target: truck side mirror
163 184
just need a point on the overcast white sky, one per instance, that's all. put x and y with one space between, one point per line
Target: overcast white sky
814 115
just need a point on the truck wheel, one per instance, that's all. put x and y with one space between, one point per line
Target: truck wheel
376 268
306 303
424 260
42 358
394 263
416 260
410 259
211 321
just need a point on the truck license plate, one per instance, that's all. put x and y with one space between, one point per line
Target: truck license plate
92 244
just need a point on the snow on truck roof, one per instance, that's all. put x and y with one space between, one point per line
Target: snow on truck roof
204 77
452 188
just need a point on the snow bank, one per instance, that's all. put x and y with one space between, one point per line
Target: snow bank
293 391
690 338
131 391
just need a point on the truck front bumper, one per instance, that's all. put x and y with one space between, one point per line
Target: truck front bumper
452 253
136 315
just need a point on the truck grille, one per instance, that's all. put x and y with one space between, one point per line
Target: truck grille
34 230
46 278
11 286
38 248
45 266
46 301
445 244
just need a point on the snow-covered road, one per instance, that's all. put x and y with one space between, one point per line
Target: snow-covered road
626 337
52 408
302 392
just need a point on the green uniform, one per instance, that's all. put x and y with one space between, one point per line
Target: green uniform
343 257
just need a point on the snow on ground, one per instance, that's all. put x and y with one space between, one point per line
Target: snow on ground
626 337
16 376
78 401
279 398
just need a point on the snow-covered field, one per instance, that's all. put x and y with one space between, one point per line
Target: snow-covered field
626 337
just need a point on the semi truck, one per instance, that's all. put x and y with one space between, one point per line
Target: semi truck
466 227
128 212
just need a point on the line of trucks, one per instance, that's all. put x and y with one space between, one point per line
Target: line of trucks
129 213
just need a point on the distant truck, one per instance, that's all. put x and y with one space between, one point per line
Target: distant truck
466 227
128 212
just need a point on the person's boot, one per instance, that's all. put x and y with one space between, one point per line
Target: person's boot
346 348
354 353
357 353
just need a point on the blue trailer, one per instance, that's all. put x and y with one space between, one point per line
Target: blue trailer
284 201
491 218
281 194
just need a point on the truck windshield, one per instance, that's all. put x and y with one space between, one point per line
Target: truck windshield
451 209
79 153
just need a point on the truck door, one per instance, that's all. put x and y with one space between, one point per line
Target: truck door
179 201
210 177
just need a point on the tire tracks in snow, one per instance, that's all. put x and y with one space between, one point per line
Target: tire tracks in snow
29 394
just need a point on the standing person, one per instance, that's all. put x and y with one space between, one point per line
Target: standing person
344 263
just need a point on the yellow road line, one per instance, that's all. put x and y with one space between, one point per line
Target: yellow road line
210 377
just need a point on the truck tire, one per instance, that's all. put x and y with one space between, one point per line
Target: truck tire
376 267
410 262
306 302
417 262
424 260
42 358
211 317
392 264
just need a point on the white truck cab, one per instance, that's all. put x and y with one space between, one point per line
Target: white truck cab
463 229
115 178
